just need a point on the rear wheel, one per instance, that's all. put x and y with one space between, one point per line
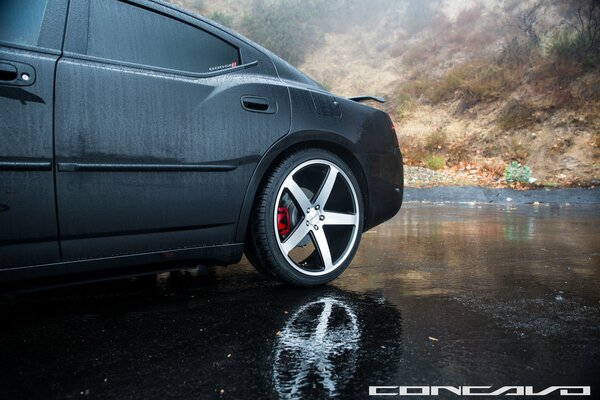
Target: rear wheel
308 219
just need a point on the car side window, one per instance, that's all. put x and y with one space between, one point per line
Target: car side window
125 32
21 21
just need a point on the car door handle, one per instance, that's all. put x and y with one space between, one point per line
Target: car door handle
259 104
8 72
16 74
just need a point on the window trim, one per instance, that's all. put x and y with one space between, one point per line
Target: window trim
149 68
78 30
42 50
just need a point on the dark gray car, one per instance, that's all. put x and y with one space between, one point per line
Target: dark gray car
134 133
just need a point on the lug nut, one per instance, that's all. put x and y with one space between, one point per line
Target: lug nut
317 207
322 218
316 227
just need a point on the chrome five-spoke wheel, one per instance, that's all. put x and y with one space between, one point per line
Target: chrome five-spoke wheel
308 221
316 230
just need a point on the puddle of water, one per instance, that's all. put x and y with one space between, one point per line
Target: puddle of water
441 295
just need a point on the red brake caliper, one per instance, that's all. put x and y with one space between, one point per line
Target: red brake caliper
284 225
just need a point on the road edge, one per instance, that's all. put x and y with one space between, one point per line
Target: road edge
468 194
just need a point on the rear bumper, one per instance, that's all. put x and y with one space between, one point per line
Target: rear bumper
385 181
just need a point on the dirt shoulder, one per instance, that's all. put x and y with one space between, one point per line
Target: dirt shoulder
420 177
473 175
479 195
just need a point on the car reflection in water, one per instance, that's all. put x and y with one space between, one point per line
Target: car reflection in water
318 347
223 334
331 346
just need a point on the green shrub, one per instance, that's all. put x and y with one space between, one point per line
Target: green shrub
560 43
435 162
569 45
516 172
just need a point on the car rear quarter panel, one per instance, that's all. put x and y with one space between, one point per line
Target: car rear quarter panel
361 135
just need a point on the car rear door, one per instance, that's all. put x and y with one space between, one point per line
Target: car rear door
161 120
30 42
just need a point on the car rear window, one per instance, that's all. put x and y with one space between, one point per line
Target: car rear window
21 21
124 32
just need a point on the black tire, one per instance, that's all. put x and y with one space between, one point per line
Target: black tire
333 229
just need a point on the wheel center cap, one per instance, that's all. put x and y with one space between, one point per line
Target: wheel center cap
314 217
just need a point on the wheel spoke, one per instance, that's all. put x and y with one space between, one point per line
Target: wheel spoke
295 238
323 248
298 195
327 187
333 218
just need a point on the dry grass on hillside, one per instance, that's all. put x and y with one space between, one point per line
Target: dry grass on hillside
479 81
536 101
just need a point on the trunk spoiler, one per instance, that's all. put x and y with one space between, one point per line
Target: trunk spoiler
360 99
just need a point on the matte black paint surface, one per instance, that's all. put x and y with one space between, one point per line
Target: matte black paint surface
510 296
105 158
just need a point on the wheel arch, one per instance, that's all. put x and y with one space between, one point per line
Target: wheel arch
334 143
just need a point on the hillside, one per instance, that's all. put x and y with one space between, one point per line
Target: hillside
471 85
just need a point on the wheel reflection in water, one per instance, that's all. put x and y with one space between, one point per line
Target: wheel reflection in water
317 350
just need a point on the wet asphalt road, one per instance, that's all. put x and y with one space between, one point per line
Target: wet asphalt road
441 295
